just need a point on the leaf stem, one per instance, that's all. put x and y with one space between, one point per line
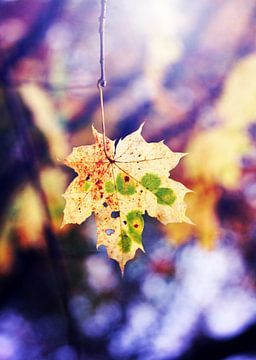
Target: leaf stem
103 119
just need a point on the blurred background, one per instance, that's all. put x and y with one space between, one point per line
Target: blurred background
186 68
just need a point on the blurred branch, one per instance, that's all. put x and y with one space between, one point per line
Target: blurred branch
116 84
176 75
49 86
24 46
31 167
33 38
102 80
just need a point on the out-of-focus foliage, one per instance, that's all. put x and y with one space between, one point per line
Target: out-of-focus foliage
201 209
215 156
26 215
237 105
216 153
47 120
6 251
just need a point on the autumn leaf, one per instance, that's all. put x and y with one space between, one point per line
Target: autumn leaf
237 105
27 208
36 99
202 212
118 184
223 148
214 162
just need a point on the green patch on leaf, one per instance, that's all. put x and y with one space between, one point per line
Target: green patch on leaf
151 181
125 242
165 196
125 185
86 185
109 187
135 223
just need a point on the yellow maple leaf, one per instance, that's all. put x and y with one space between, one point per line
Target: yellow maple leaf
28 210
215 156
202 212
237 104
118 184
41 105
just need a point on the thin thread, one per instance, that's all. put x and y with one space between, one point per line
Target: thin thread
103 120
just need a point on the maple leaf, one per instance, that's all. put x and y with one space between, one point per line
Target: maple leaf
203 214
239 89
118 184
212 145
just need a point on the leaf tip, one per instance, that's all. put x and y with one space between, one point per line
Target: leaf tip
141 127
122 269
63 223
142 249
183 154
189 191
95 132
189 221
